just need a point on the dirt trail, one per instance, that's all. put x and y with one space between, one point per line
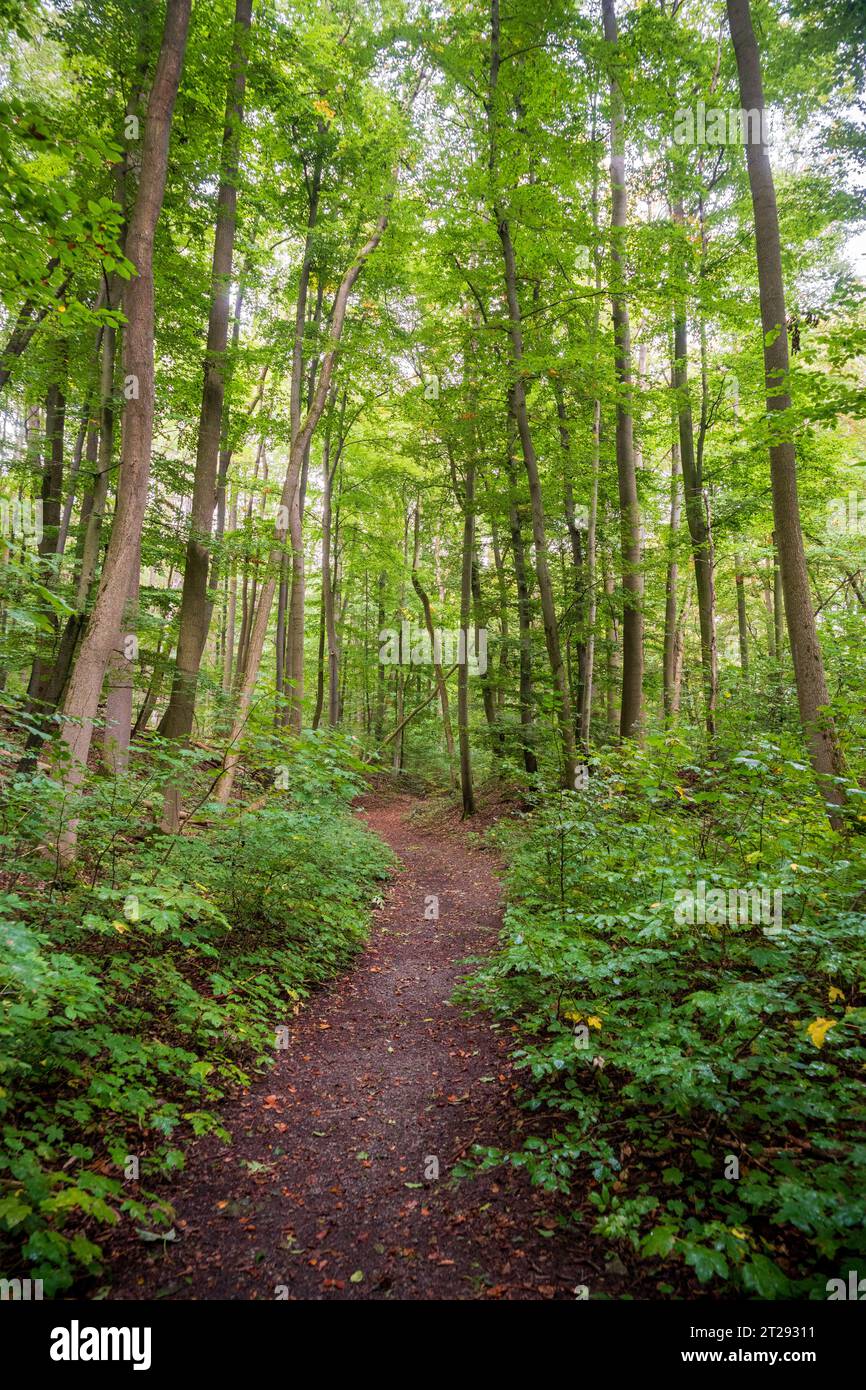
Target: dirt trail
330 1175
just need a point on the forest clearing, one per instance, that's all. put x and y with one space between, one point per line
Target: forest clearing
432 633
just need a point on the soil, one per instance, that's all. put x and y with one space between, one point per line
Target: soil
339 1180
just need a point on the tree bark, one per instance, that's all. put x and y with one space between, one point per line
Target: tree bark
669 659
300 444
85 684
521 414
631 705
195 611
467 791
439 678
696 517
524 615
806 655
742 625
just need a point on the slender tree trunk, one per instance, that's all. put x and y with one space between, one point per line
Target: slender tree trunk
320 668
231 616
85 684
466 787
669 659
486 680
297 453
679 651
379 724
585 713
117 734
769 615
612 651
577 562
521 414
742 625
280 643
806 655
295 635
631 706
778 602
696 514
524 620
437 665
328 588
93 510
504 638
195 611
52 499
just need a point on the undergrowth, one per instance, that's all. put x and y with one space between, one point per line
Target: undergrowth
699 1085
139 993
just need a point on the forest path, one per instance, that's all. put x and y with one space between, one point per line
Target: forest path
325 1179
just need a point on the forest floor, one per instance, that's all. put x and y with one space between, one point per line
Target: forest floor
325 1191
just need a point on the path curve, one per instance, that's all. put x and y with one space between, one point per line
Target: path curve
329 1189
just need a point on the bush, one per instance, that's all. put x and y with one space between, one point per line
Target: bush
665 1057
133 1005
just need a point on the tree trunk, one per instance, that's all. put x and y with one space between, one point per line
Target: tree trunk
194 608
231 616
632 579
85 684
669 659
466 789
524 618
297 453
696 516
379 724
742 625
802 634
437 665
778 602
612 650
327 586
521 414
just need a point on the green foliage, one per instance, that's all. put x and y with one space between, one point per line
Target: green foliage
661 1050
135 1002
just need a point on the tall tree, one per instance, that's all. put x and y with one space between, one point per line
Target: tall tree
631 705
194 608
104 628
521 412
806 654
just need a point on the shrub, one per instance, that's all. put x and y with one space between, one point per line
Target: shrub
666 1057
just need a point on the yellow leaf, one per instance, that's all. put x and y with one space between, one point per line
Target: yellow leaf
819 1029
324 109
833 993
593 1021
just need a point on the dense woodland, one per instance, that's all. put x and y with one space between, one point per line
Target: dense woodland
465 399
